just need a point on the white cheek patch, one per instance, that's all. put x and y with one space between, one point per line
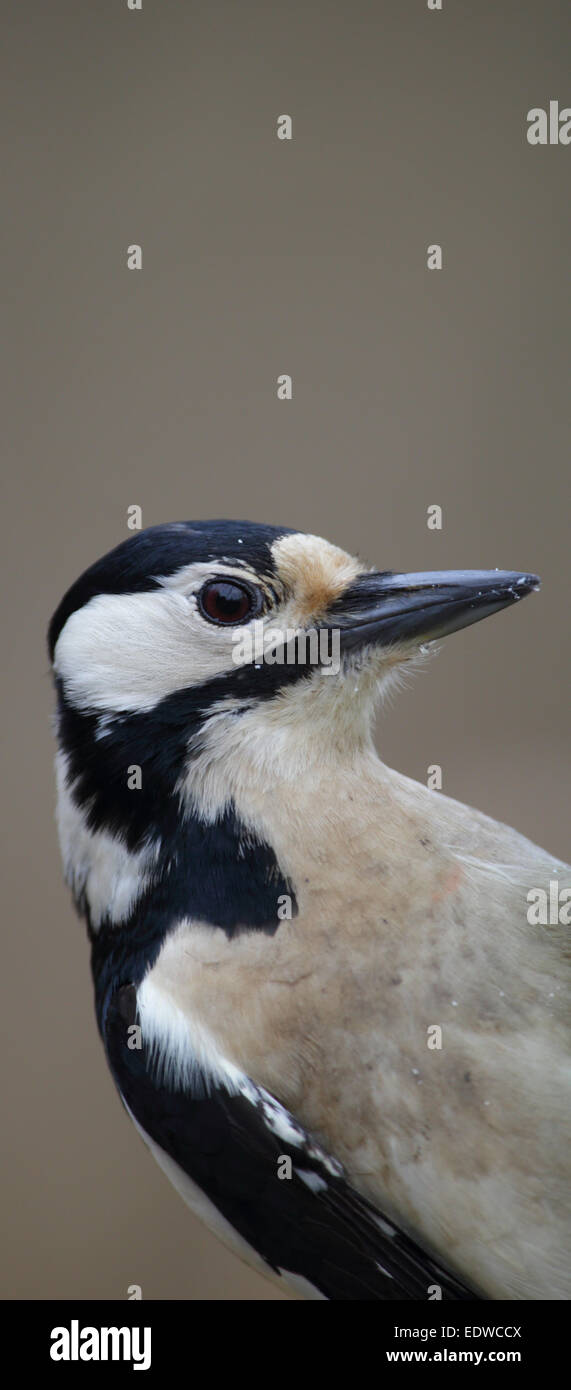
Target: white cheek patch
98 866
126 652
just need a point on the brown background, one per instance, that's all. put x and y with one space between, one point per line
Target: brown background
158 388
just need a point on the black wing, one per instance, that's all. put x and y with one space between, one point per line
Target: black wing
314 1224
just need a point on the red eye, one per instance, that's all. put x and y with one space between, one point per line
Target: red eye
223 601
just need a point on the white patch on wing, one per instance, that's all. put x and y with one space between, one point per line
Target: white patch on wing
183 1051
331 1164
312 1180
385 1227
98 865
185 1056
280 1122
249 1091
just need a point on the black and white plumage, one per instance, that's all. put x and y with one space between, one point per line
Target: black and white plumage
263 1036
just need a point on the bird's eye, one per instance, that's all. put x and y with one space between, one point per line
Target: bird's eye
224 601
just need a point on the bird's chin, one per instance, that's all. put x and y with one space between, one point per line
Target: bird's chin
382 664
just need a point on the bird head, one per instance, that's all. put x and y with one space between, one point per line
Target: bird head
203 652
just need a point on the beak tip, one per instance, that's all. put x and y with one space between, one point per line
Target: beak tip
526 584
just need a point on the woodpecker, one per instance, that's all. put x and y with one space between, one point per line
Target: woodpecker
323 995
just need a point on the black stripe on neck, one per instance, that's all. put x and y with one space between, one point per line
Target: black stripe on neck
217 873
158 742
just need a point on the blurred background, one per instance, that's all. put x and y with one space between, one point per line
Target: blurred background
157 388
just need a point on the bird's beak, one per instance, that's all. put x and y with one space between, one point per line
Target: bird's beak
393 608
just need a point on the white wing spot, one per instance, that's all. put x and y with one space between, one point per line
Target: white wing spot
281 1123
311 1180
384 1226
